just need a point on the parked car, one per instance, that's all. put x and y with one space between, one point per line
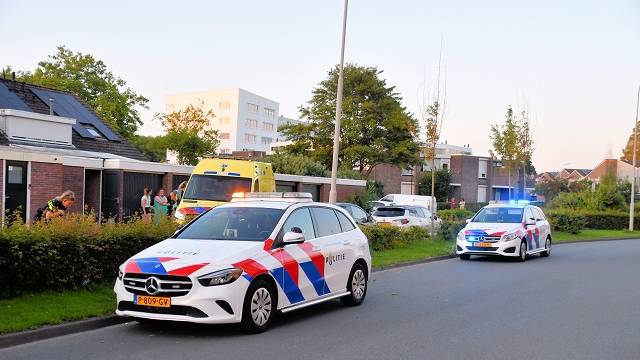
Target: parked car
244 261
357 213
405 216
415 200
513 229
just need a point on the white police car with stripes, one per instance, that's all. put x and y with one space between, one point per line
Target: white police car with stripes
515 229
245 261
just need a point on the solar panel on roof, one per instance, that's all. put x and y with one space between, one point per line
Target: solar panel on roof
9 100
67 105
61 108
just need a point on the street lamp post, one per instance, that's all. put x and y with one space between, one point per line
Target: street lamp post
333 194
632 203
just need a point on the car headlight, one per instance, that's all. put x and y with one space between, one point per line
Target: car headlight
461 235
509 237
220 277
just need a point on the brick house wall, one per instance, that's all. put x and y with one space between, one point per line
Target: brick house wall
46 183
342 192
389 175
464 171
606 167
92 190
73 179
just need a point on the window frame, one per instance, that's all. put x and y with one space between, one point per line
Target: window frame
315 221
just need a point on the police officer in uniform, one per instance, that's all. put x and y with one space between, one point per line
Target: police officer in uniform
55 207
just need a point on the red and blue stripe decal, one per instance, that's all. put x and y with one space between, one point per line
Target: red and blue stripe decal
156 265
195 210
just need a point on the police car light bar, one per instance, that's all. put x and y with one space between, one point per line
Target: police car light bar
289 196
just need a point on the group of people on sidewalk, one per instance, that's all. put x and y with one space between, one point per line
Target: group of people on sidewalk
455 205
161 206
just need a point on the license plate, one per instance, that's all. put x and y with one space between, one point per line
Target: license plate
155 301
483 244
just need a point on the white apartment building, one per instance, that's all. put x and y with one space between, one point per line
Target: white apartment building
244 120
443 155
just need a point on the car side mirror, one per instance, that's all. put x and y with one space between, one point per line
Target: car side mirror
530 221
467 221
292 237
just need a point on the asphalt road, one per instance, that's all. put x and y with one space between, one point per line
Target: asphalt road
583 302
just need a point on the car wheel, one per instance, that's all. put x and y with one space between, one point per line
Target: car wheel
357 286
547 247
465 256
522 255
259 307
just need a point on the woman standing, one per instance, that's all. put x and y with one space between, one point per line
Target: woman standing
160 206
145 205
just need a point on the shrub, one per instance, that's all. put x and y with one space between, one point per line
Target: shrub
589 219
455 214
385 237
567 221
372 193
70 252
449 229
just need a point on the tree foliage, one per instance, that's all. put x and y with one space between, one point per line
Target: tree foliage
627 152
553 187
153 147
90 79
296 164
188 133
375 127
443 189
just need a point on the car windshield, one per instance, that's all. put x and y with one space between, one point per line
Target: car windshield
233 223
389 212
215 188
499 215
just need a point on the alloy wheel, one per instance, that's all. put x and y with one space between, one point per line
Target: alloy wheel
358 284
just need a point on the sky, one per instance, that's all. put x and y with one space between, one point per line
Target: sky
573 65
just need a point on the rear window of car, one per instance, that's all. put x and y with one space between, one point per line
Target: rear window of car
326 221
389 212
345 223
233 223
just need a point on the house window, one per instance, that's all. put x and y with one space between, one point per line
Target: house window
266 126
249 138
250 123
92 130
14 175
225 121
253 108
225 136
266 140
270 113
224 106
445 166
482 169
225 151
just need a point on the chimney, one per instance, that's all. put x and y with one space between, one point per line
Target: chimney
51 104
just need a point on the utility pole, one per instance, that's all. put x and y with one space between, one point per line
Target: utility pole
333 194
632 205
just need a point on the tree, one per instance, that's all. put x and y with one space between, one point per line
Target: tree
189 133
442 185
153 147
506 143
283 163
525 149
627 152
89 78
375 129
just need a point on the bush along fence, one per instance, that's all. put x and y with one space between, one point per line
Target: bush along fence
70 252
573 221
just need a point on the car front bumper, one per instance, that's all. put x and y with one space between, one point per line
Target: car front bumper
498 248
203 304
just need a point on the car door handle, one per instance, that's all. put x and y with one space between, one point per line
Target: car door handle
346 242
315 248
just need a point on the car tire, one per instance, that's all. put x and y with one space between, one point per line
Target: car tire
547 247
522 254
259 307
357 286
465 256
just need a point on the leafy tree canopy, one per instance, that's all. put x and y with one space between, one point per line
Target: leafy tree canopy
90 79
189 133
375 127
443 187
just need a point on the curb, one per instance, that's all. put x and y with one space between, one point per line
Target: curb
52 331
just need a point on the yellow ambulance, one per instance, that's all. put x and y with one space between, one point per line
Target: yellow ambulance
213 182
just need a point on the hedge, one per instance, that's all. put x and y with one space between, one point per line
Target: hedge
570 220
455 214
70 252
385 237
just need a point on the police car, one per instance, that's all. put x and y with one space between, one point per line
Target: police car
515 229
245 261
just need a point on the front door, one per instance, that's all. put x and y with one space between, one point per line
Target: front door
15 193
533 231
334 244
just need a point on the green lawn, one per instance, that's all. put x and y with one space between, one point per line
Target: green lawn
589 234
34 310
418 250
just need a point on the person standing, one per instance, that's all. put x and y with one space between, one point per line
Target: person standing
56 207
462 203
160 206
452 203
145 205
176 195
